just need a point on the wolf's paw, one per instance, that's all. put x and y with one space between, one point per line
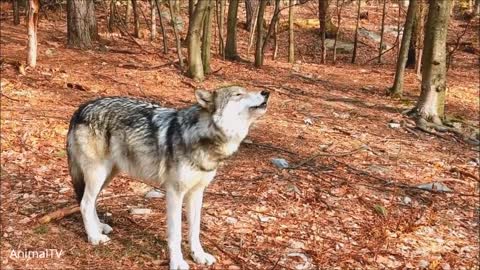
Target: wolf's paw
106 229
98 239
203 258
178 264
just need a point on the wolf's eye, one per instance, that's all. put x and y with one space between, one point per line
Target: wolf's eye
238 94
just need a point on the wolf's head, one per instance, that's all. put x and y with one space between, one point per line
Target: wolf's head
233 109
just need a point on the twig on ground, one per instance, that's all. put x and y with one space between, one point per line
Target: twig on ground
13 99
322 153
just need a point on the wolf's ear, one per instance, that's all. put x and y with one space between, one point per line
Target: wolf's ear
204 98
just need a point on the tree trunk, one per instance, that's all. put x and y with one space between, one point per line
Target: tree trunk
231 45
380 49
259 44
175 33
195 65
81 23
250 7
337 32
207 38
153 18
16 12
162 27
322 17
111 17
191 8
431 104
412 49
355 42
275 38
291 40
33 9
136 20
128 12
221 23
397 88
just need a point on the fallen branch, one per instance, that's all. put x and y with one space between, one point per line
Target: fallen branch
322 153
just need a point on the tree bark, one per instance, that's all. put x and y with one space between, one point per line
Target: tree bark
153 18
207 38
195 65
322 17
250 6
111 17
128 12
221 22
431 104
16 12
81 23
231 44
337 32
33 9
162 27
175 33
136 20
291 38
259 44
412 49
380 49
355 42
397 88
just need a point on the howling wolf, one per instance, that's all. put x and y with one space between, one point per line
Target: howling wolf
179 149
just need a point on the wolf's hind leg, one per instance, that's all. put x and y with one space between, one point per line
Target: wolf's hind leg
94 180
104 227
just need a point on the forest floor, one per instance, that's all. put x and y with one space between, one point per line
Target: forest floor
354 208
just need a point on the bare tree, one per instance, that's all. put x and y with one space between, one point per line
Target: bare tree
153 18
136 20
259 44
111 17
162 28
33 9
337 32
207 37
322 16
16 12
81 23
397 88
291 40
195 65
250 7
431 103
380 49
231 44
175 33
355 42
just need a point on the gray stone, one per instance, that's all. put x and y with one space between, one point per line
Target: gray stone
280 163
342 46
394 125
154 193
435 186
423 264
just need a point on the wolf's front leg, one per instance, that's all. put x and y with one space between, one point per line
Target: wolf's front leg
194 208
174 227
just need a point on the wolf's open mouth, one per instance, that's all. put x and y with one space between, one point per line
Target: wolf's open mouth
261 106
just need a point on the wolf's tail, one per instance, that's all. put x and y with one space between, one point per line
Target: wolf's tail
76 172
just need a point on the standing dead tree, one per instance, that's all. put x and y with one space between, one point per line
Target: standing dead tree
162 27
33 9
380 49
16 12
397 89
355 42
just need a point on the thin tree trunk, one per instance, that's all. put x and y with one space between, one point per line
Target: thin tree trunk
355 42
397 88
419 37
431 104
339 21
221 22
231 45
16 12
162 27
175 33
207 38
195 65
322 14
380 49
275 39
291 40
111 17
136 20
259 44
81 23
397 39
128 12
153 18
271 26
412 49
191 8
250 7
252 32
33 8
